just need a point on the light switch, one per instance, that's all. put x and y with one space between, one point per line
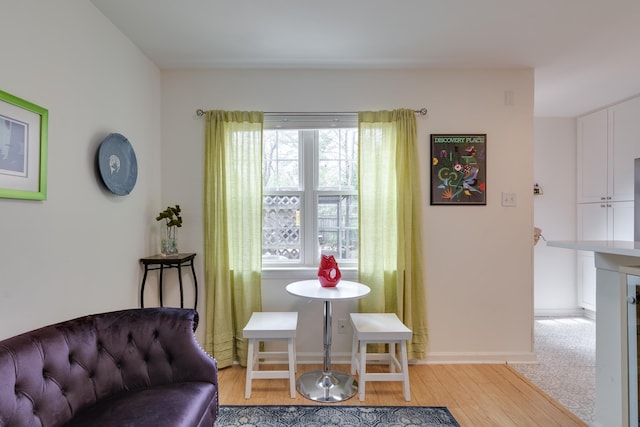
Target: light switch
509 199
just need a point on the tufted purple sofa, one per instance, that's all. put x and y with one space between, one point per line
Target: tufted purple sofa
139 367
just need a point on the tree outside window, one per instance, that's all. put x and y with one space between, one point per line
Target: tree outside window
310 195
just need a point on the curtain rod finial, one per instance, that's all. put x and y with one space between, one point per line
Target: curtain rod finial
199 112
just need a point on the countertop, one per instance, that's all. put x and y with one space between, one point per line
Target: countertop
614 247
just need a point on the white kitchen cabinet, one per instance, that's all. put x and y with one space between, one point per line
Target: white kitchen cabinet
592 157
586 278
599 221
605 221
608 143
624 148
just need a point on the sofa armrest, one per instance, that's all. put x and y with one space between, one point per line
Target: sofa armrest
153 346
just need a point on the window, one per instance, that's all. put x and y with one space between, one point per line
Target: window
310 190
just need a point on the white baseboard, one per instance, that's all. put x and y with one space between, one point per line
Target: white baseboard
433 358
339 358
560 312
478 357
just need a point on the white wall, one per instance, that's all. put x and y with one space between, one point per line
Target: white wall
77 252
555 213
478 259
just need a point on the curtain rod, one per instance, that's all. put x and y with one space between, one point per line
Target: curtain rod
423 112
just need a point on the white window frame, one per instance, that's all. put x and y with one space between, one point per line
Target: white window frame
309 256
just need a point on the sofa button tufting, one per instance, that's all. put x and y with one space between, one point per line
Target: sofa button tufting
94 370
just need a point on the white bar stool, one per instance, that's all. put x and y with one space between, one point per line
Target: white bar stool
271 326
386 328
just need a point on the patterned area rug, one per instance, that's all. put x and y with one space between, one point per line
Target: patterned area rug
335 416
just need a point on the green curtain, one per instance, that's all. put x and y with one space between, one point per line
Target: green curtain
390 224
233 230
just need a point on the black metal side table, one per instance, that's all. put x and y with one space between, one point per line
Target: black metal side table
160 262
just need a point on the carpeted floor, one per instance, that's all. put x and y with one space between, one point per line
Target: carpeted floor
335 416
566 351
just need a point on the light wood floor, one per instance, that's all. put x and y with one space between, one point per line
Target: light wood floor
476 395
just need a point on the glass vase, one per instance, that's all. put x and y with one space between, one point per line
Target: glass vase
169 244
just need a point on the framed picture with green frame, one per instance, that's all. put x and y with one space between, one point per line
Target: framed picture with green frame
23 148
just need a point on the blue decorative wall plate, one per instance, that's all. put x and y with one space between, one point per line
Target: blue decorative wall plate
117 163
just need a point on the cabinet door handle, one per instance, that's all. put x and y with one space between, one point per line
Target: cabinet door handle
603 198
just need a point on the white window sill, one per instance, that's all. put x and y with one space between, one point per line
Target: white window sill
303 273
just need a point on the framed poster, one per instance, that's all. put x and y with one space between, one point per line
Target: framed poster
23 149
458 169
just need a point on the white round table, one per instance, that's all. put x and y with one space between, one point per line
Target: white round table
326 385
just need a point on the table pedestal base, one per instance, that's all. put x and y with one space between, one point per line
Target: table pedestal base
327 386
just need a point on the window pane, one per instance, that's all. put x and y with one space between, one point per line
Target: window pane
338 159
338 226
280 227
322 165
281 159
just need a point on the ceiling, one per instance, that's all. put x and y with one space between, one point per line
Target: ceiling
586 53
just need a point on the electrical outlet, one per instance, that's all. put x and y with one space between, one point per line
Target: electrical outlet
342 326
509 199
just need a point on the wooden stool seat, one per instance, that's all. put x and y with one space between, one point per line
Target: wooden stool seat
271 326
380 328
